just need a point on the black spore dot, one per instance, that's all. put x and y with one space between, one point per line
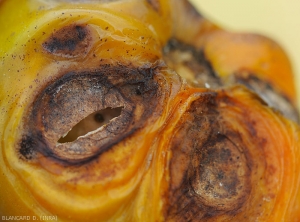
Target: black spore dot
138 92
99 118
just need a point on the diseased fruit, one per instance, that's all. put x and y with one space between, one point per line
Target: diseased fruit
143 111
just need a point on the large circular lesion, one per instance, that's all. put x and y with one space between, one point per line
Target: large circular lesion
210 167
129 95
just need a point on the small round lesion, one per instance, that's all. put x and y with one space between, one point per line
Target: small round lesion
70 41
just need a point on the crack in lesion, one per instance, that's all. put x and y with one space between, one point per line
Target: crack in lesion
91 124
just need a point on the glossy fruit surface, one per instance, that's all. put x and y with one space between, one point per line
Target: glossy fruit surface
143 111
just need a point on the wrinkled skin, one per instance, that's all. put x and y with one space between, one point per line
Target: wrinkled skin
143 111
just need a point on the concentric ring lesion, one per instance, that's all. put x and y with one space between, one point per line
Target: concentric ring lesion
210 170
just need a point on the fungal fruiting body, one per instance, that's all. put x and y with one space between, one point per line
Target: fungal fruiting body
133 110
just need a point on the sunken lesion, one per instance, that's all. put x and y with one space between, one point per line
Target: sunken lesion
210 173
70 41
132 92
220 174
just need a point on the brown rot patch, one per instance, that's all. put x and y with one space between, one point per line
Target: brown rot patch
70 41
220 173
269 94
191 64
84 113
209 170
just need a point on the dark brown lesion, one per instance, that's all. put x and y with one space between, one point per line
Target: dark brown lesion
191 64
210 173
134 92
27 145
269 94
70 41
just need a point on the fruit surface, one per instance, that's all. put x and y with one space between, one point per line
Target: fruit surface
143 111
